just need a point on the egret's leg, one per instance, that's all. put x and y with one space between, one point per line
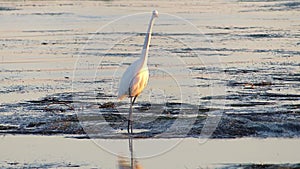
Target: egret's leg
131 121
130 117
134 99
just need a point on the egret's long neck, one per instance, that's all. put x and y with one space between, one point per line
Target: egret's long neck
145 50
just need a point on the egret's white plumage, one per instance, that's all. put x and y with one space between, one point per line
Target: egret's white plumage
135 78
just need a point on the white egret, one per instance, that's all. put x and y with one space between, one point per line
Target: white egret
135 78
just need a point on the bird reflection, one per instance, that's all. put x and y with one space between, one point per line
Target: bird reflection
126 163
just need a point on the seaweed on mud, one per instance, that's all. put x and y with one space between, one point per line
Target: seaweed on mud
261 166
52 13
116 121
281 52
221 97
284 6
231 27
238 70
47 125
291 106
55 103
233 83
290 126
263 35
45 116
254 95
54 114
274 125
23 88
7 127
280 96
250 104
7 8
160 121
289 77
233 128
102 95
213 49
48 43
144 107
107 105
279 124
35 124
260 0
14 164
286 52
16 88
122 54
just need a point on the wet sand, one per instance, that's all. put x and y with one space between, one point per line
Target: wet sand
57 59
234 62
58 151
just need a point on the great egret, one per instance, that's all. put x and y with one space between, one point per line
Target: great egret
135 78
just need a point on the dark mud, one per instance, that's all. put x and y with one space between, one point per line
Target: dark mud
261 166
281 6
59 114
7 8
17 165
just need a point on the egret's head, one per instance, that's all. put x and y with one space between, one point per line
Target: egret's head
155 13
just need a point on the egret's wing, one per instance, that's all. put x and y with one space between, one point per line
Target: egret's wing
127 78
140 81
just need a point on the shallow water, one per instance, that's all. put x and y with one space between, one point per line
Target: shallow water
246 68
221 69
59 152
